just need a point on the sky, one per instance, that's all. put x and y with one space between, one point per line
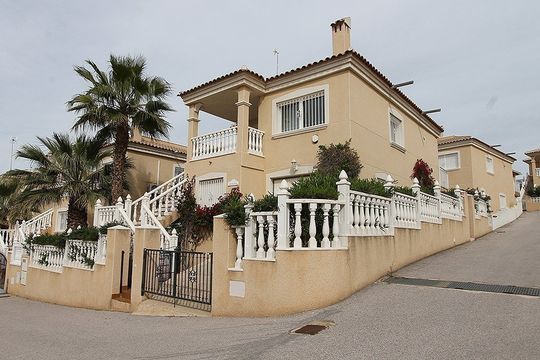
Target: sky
477 60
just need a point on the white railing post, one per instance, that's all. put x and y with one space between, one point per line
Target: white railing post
297 226
174 239
346 217
283 216
391 217
249 245
260 238
312 243
336 241
127 205
457 191
143 217
96 213
416 191
271 253
119 207
325 243
239 250
437 191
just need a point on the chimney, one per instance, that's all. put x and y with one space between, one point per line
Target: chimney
341 35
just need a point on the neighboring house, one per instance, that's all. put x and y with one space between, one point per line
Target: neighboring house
278 123
154 161
533 179
471 163
534 166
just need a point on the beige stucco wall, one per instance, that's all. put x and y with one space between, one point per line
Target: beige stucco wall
355 111
149 169
531 206
301 280
473 174
90 289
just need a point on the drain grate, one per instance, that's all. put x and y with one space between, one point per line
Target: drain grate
313 327
309 329
460 285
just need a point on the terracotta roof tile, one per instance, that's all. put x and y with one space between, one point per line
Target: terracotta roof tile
452 139
236 72
533 151
161 144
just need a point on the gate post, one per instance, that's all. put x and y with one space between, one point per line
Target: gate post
145 237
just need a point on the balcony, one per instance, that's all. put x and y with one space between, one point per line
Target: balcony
224 142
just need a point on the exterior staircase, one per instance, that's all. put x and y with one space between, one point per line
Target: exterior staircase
36 225
155 208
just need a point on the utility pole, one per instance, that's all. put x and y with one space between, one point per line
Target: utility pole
13 141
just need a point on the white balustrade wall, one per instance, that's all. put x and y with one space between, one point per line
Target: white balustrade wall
214 144
80 254
7 236
161 201
36 225
535 199
224 142
405 210
261 236
295 224
481 207
329 233
370 214
47 257
429 208
255 141
451 207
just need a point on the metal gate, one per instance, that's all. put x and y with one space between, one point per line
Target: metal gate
3 266
183 275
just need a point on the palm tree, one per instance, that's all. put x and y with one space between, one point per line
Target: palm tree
118 102
11 209
66 169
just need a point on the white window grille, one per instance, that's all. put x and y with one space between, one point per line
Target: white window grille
210 191
489 165
449 161
302 112
61 224
537 171
396 130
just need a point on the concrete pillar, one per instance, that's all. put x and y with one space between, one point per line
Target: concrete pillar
535 179
193 127
118 239
243 105
145 237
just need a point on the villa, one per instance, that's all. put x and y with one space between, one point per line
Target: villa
303 254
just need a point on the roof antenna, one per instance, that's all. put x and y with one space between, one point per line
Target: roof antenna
276 53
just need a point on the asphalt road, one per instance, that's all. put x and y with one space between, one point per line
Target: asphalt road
383 321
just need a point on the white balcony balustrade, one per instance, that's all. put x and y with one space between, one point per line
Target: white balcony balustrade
450 207
224 142
255 141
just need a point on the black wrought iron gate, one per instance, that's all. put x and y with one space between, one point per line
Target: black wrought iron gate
3 267
184 275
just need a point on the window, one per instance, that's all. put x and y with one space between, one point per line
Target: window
178 170
62 221
210 191
489 165
449 161
290 180
502 201
396 130
537 171
302 112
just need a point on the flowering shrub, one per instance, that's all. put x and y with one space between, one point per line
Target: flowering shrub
423 172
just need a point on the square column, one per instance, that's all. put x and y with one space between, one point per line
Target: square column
193 127
242 121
